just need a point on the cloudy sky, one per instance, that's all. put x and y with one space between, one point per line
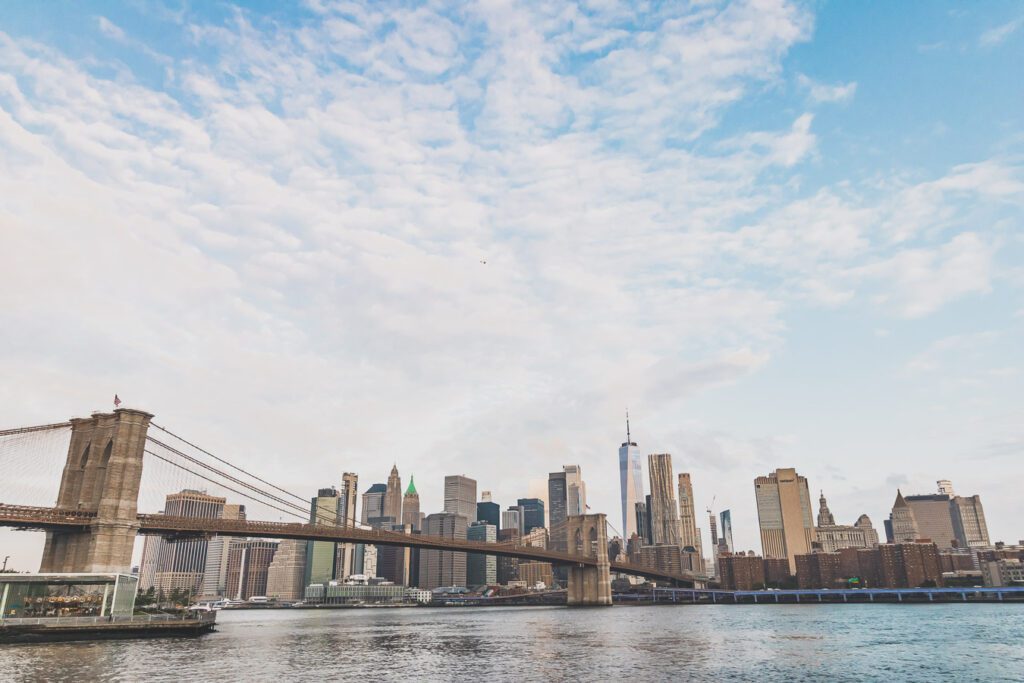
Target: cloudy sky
780 234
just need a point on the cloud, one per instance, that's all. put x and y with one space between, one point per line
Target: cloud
110 29
820 92
998 34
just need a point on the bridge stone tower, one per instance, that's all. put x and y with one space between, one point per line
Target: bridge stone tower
589 585
101 475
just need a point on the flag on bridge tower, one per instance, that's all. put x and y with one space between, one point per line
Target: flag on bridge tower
117 401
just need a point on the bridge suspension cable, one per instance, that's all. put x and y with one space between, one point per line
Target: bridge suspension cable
225 462
222 485
37 428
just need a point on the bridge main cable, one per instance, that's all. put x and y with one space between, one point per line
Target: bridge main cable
217 483
225 462
37 428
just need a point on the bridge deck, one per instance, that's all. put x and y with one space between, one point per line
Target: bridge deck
53 518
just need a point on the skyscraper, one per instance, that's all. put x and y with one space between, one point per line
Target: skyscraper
373 504
179 564
215 572
969 522
248 566
784 514
689 534
934 519
533 513
442 567
902 524
825 517
642 516
575 491
348 512
557 511
664 515
286 573
567 497
512 519
347 499
393 496
726 540
490 512
481 570
631 483
460 496
411 506
321 556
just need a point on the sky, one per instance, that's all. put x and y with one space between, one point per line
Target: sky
467 237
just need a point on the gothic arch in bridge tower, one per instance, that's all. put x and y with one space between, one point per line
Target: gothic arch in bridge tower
589 584
101 475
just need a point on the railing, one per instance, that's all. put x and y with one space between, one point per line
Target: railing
200 617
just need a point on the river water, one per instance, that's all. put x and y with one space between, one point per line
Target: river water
949 642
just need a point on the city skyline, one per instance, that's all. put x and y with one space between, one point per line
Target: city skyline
793 247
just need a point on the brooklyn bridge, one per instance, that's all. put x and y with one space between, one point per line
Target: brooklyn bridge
92 525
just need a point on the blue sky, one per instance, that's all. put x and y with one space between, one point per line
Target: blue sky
782 234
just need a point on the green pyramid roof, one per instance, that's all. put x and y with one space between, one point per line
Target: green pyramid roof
411 491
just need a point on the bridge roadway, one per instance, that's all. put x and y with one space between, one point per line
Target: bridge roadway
54 519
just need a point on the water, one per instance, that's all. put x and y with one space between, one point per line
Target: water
713 643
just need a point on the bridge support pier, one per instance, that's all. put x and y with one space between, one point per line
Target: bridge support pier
589 585
101 475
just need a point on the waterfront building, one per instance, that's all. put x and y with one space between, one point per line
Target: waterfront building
1003 572
631 483
481 570
664 557
726 542
411 506
287 571
360 591
663 511
215 571
513 518
460 496
818 570
747 571
533 513
784 515
440 568
393 497
490 512
178 564
248 567
689 533
741 572
373 504
536 573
